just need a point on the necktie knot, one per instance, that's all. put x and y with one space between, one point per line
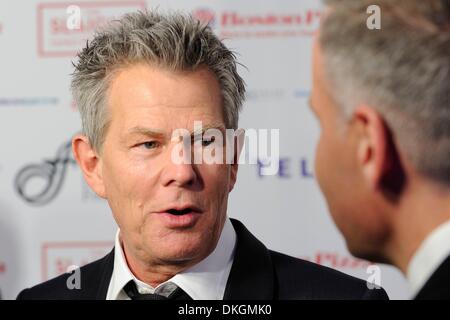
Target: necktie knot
132 291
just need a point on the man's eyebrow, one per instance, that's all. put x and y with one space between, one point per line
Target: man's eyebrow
217 126
146 132
154 133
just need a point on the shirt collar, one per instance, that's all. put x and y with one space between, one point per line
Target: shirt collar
428 257
204 281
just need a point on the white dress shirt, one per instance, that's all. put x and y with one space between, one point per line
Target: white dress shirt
204 281
430 255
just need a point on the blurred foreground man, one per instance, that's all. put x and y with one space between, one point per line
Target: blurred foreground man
383 159
138 82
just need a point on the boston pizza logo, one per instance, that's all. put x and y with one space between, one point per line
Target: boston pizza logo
261 24
205 15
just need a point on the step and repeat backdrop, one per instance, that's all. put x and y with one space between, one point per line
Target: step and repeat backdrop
50 219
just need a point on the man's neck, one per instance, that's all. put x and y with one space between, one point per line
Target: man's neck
417 216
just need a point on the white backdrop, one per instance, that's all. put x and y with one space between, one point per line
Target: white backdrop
48 217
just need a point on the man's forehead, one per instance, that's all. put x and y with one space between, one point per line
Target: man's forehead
196 127
146 113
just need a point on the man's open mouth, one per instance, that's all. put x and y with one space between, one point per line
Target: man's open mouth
180 212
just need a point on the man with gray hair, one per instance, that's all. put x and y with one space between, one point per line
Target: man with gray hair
383 158
141 79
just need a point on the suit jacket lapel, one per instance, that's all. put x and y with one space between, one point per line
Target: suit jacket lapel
107 265
252 275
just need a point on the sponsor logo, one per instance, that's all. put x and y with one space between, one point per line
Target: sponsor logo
51 171
354 266
302 94
265 95
337 261
57 257
28 101
288 168
2 272
205 15
234 24
40 183
268 94
64 28
304 19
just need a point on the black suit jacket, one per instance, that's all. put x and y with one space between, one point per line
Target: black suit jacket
257 273
438 286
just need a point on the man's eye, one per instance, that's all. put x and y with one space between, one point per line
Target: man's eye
207 141
149 144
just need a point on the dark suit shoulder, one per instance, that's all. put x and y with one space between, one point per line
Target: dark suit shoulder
437 287
91 281
300 279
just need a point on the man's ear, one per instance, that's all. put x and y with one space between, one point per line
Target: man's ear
239 139
90 164
373 146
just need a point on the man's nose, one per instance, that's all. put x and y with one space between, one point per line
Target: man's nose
178 173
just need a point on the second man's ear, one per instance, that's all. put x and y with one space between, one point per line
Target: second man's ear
373 145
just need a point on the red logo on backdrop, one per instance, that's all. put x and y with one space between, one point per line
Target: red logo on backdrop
305 19
338 261
2 267
205 15
58 36
233 24
57 257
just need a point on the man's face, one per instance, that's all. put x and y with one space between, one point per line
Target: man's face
168 213
338 170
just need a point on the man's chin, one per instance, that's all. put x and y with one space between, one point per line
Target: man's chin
181 257
179 245
181 251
